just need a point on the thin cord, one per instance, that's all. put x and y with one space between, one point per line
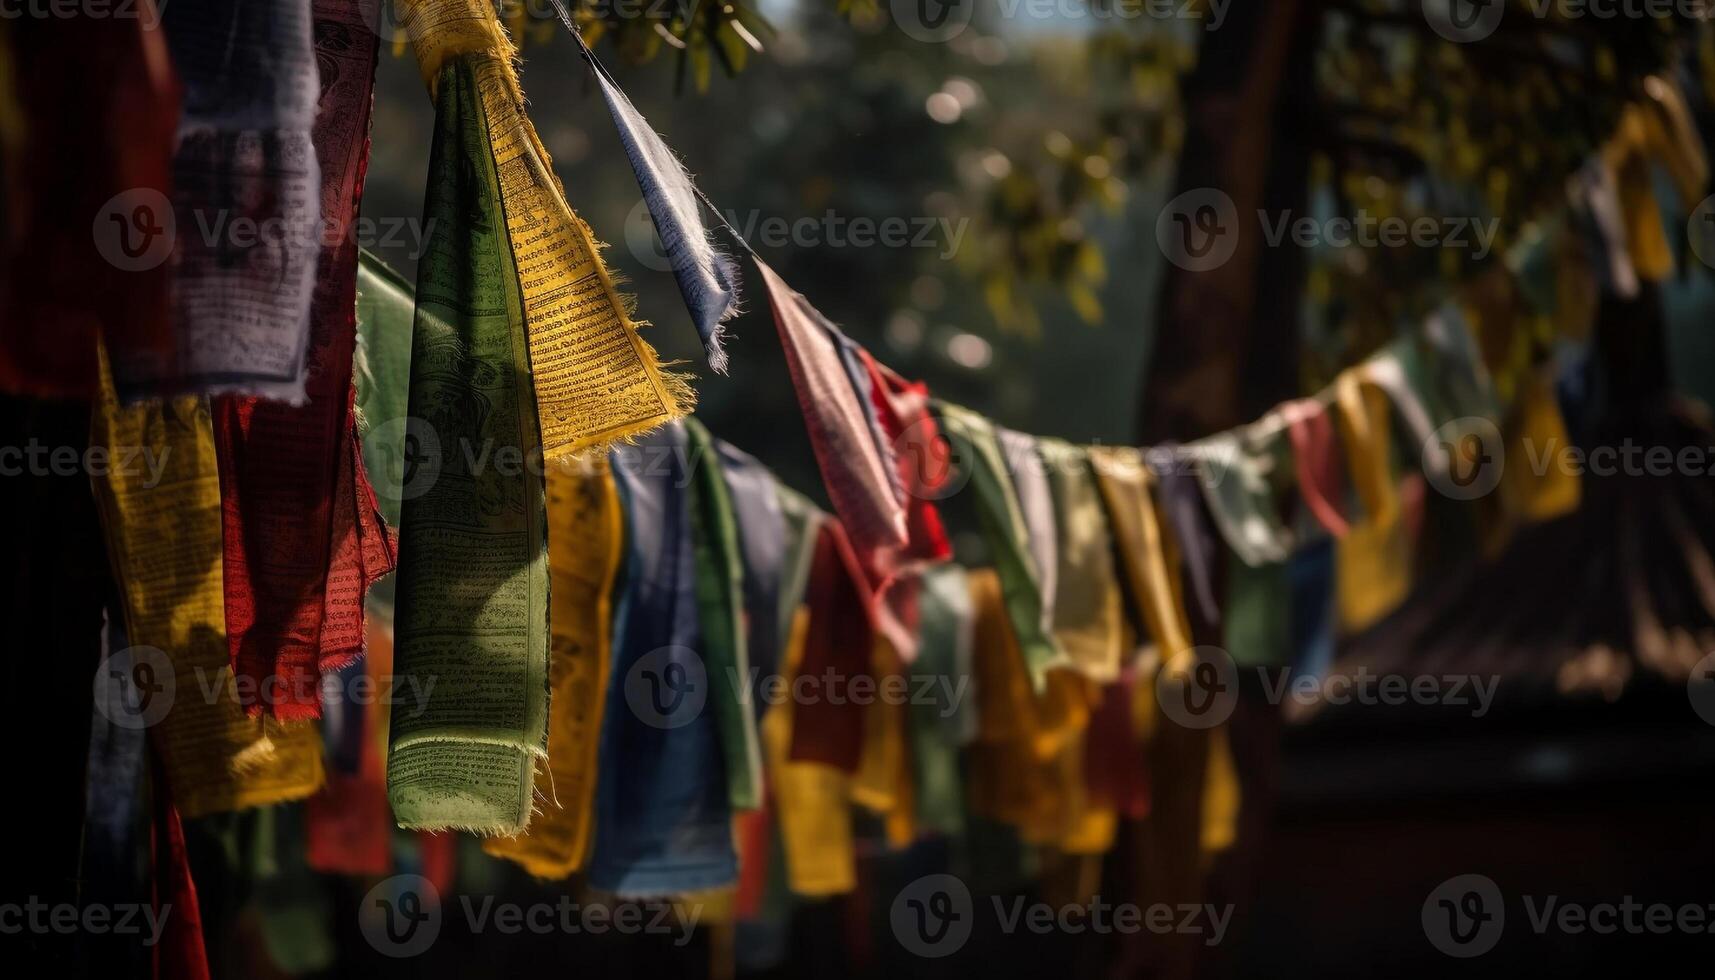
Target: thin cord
601 69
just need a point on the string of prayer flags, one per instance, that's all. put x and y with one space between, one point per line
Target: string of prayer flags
348 828
1317 463
596 380
663 813
1116 767
720 610
1036 505
837 651
302 540
1026 765
95 128
707 277
586 545
803 531
861 480
906 421
241 308
1004 528
942 725
472 592
812 798
765 541
1148 564
163 539
1374 562
381 373
856 413
1089 612
1244 474
902 419
1240 471
883 783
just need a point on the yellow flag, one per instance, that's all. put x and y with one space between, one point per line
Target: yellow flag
1373 560
813 800
596 379
163 529
586 539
